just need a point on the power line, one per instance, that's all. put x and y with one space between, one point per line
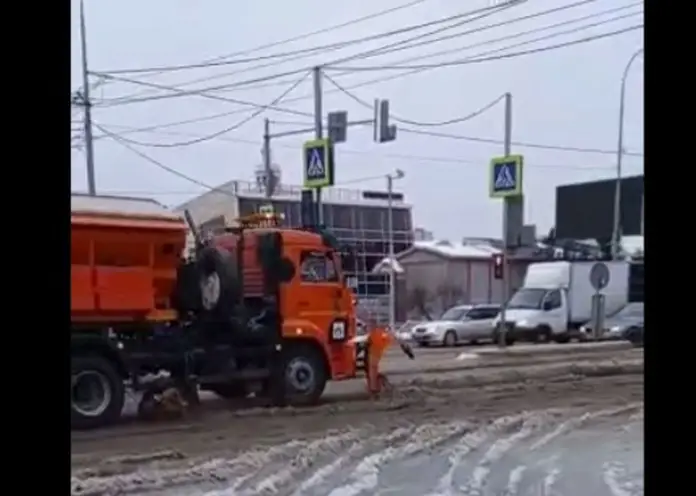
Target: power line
304 53
179 93
523 144
418 123
156 163
448 51
322 48
235 126
406 45
421 68
422 158
497 57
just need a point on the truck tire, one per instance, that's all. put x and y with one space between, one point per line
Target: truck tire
97 392
544 334
305 374
218 281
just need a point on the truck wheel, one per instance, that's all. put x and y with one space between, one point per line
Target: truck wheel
97 392
544 334
305 375
218 281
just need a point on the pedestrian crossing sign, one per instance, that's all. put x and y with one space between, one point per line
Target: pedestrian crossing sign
318 164
505 176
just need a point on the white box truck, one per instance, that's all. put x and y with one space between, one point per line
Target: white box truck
556 299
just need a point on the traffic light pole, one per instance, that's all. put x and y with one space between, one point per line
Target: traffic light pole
502 338
318 129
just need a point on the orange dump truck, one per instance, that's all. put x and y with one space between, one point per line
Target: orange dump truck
257 309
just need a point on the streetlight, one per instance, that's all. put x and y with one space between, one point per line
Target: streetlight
398 174
615 235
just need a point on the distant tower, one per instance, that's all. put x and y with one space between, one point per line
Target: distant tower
260 174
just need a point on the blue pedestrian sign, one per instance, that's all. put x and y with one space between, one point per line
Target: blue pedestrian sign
318 164
505 176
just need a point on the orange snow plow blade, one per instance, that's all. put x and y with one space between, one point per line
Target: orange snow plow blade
378 341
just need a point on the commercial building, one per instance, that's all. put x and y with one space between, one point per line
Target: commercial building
357 218
586 210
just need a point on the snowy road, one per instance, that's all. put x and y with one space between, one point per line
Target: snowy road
571 427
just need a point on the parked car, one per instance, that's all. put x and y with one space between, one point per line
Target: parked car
460 324
625 324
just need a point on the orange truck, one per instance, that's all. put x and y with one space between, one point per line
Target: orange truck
258 309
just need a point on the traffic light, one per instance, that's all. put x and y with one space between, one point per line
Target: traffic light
498 262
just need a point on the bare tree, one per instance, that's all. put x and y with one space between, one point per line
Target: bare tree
449 295
418 299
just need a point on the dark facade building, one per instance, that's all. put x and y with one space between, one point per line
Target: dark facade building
586 210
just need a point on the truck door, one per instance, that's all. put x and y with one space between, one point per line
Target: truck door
321 293
556 312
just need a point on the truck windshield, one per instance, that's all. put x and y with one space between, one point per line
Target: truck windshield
527 298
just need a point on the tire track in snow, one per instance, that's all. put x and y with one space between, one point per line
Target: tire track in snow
365 477
530 424
325 472
576 422
151 477
470 442
614 475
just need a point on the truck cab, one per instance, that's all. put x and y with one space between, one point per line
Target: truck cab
538 314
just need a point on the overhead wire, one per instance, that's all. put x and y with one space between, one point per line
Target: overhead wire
396 156
410 69
406 44
306 35
455 120
304 53
430 55
524 144
226 130
520 53
485 12
154 162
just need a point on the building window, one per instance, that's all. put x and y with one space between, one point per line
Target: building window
342 216
372 218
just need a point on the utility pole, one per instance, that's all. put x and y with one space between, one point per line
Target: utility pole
616 230
267 169
89 142
507 140
318 129
392 256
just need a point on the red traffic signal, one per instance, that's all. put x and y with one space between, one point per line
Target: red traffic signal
498 262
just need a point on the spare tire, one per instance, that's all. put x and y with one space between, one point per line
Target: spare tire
218 282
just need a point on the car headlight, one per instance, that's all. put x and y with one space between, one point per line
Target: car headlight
615 329
522 323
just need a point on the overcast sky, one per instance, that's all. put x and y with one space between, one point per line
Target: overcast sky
564 97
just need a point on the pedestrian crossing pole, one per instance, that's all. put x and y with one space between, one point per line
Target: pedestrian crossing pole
506 220
318 130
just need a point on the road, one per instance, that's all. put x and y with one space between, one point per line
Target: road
531 421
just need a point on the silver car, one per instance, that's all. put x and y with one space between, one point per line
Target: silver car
460 324
626 321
